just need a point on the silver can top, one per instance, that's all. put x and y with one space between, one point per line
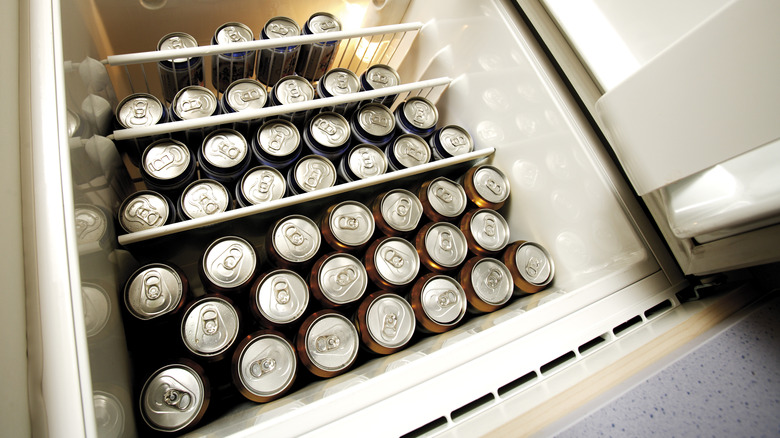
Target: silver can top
341 81
390 321
401 209
351 223
443 300
489 229
210 326
224 148
296 238
329 129
267 365
233 33
382 76
73 122
139 110
313 172
492 281
446 244
411 150
376 119
420 112
109 414
280 27
97 308
491 184
166 159
447 197
229 262
143 210
396 261
204 197
536 265
322 22
455 140
342 278
153 291
172 398
177 40
332 342
366 161
282 296
91 223
246 94
292 89
193 102
279 138
263 184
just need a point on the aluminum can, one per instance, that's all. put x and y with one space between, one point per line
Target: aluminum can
74 126
156 291
327 134
229 67
146 210
438 301
441 246
380 76
372 123
486 186
259 185
93 229
175 397
293 241
264 366
416 115
327 343
311 173
487 283
244 95
113 414
139 110
361 162
210 326
193 102
278 62
347 226
531 266
443 200
178 73
397 212
316 58
167 166
385 322
486 231
204 197
338 279
96 304
224 156
279 298
293 89
408 150
450 141
391 263
277 144
339 82
228 265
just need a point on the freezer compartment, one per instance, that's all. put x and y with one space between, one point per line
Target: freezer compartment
565 195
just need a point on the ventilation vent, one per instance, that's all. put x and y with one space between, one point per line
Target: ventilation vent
473 406
593 343
516 384
620 329
558 362
658 309
436 424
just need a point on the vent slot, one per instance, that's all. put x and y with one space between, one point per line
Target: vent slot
658 309
593 343
555 363
514 385
626 325
436 424
473 406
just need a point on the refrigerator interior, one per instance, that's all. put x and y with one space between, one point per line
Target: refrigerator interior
484 70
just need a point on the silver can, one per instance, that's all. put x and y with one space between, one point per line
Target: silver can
293 89
175 397
487 283
339 82
439 302
259 185
361 162
327 343
385 322
372 123
391 263
327 134
204 197
316 58
155 290
92 227
178 73
224 156
531 266
450 141
167 166
416 115
348 225
311 173
190 103
277 144
139 110
486 186
229 67
244 95
397 212
441 245
293 241
486 231
407 150
97 308
442 199
278 62
210 327
279 298
338 279
145 210
228 265
380 76
111 414
264 366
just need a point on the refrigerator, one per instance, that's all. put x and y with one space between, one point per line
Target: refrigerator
632 155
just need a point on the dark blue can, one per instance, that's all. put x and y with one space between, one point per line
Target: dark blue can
416 115
339 82
372 123
449 141
277 144
406 151
229 67
316 58
327 134
224 156
244 95
380 76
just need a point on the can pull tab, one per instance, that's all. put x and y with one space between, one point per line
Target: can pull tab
86 222
177 398
204 200
140 210
457 141
403 206
294 93
175 43
447 298
494 186
346 222
294 235
279 137
533 266
262 367
394 258
390 325
445 241
234 35
262 186
346 276
140 111
209 320
278 29
443 194
326 343
493 279
152 284
314 175
227 264
281 290
490 227
223 146
367 160
248 95
379 78
171 155
342 82
327 25
413 151
421 112
193 104
374 118
329 129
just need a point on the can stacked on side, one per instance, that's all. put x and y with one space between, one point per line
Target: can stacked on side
416 115
175 397
167 166
327 134
229 67
244 95
193 102
277 144
316 58
380 76
293 89
139 110
372 123
385 322
276 63
178 73
361 162
259 185
311 173
264 366
450 141
339 82
145 210
204 197
224 156
408 150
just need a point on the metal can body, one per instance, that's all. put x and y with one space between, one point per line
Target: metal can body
228 265
279 298
293 89
209 327
193 102
450 141
139 110
277 144
276 63
293 241
327 343
372 123
316 58
229 67
443 200
175 397
167 166
338 279
93 228
397 212
438 301
486 186
224 156
311 173
259 185
97 310
408 150
380 76
204 197
385 322
264 366
441 246
146 210
327 134
530 264
417 115
487 283
244 95
486 231
361 162
347 226
391 263
178 73
156 291
339 82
